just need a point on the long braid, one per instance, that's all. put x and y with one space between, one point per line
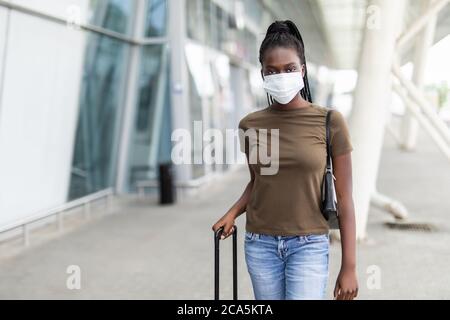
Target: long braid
305 92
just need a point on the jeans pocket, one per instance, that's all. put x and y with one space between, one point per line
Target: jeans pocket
249 235
317 237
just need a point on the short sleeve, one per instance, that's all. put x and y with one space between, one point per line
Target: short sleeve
242 140
339 134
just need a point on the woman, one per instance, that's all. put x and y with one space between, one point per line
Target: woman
286 238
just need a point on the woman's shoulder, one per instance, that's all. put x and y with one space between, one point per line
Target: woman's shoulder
320 109
336 117
251 117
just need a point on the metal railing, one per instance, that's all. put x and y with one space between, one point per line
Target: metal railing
141 185
59 213
196 183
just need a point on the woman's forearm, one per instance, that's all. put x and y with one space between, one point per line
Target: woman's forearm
347 227
240 206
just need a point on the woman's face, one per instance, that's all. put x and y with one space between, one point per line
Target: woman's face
279 60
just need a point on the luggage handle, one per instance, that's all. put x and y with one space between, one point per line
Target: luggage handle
217 236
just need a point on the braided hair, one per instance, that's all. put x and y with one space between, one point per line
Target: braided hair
286 34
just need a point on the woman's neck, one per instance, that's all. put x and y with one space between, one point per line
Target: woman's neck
297 103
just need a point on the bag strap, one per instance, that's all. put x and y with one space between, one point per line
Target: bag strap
327 126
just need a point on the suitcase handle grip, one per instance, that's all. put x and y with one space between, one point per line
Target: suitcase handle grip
217 235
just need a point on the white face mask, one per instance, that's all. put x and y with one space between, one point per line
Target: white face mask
283 87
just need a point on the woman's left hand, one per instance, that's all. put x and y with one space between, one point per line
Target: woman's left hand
346 285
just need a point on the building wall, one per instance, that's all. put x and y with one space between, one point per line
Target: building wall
221 49
81 107
3 31
63 94
38 113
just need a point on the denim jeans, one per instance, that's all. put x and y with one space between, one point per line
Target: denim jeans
287 267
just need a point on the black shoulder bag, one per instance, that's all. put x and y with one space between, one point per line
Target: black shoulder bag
329 200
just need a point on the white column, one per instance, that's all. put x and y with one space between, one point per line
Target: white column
423 43
179 85
371 99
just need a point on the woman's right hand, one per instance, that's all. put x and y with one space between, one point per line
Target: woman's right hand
227 222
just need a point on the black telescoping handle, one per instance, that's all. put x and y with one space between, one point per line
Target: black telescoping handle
217 236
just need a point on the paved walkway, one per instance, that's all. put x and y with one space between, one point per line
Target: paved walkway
144 251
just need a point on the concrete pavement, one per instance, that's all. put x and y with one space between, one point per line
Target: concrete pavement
144 251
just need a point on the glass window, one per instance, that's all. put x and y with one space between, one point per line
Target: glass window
156 18
93 165
199 22
254 11
198 63
115 15
201 90
151 136
219 103
219 28
215 25
193 20
207 22
196 114
251 49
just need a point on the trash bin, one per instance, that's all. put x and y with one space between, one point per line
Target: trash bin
166 184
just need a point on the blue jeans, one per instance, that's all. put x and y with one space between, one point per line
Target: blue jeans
287 267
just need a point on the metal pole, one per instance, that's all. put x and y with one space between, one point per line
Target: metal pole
87 210
422 102
26 235
109 200
217 235
60 221
129 111
235 284
409 125
415 111
419 23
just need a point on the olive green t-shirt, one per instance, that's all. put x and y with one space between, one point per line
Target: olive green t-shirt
288 201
